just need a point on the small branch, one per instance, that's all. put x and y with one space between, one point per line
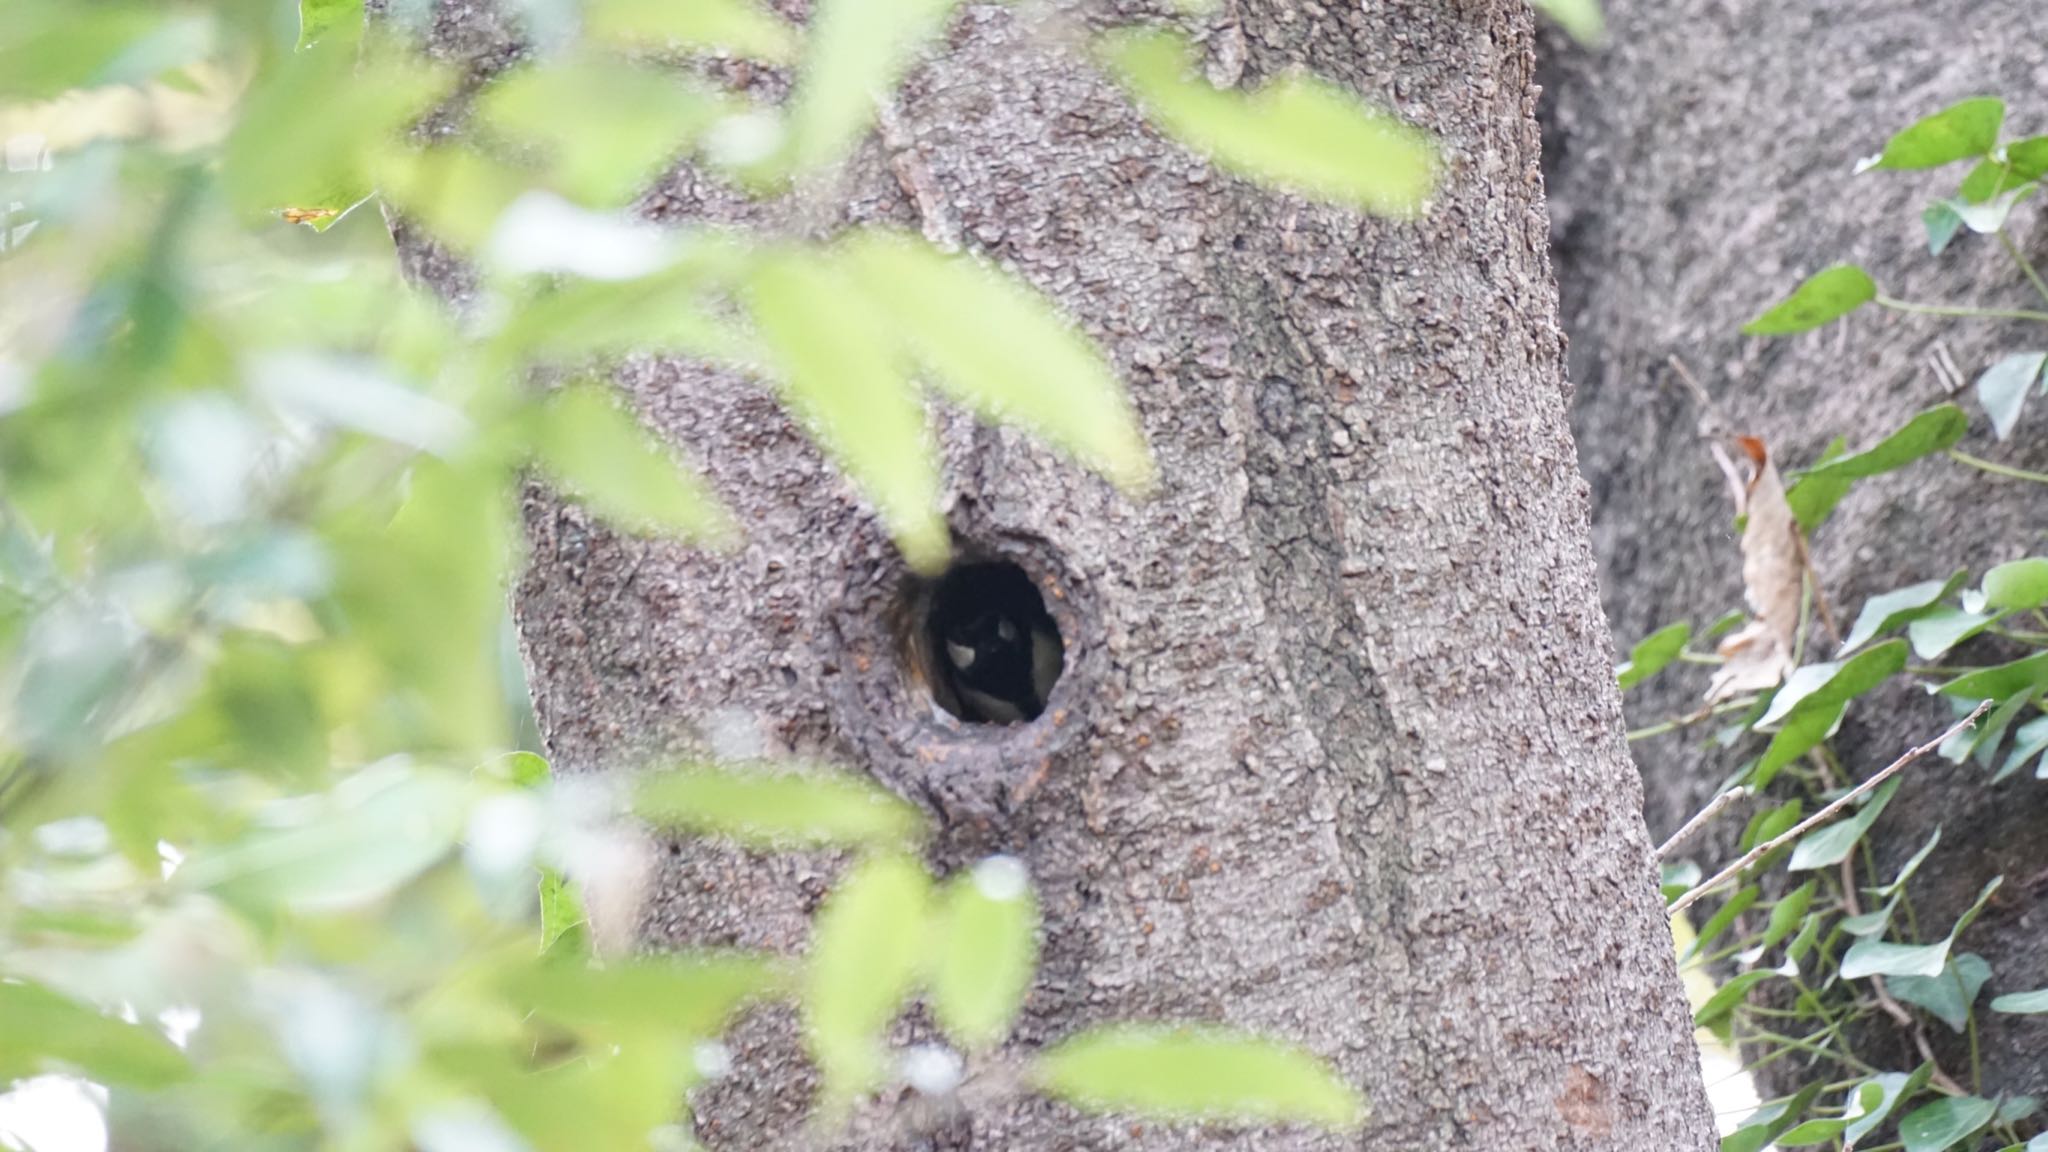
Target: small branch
1699 820
1821 817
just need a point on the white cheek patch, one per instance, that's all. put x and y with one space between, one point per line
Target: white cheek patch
960 654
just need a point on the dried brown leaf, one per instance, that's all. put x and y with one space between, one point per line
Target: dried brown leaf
1773 569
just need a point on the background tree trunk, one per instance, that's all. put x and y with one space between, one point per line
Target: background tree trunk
1699 169
1337 753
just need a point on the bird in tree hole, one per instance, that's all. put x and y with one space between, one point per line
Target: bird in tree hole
984 644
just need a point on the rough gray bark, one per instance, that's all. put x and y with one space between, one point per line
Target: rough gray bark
1700 168
1337 754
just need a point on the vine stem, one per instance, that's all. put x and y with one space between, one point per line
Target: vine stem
1821 817
1997 469
1898 305
2025 264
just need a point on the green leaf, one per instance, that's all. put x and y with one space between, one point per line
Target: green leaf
1727 996
1942 222
1816 492
2027 159
1826 847
1196 1074
734 26
1892 1087
1818 708
2028 741
1653 653
775 808
602 161
2018 585
1003 350
1949 993
1893 609
1809 934
366 838
841 368
2004 387
1870 923
1299 133
1911 866
1829 294
858 50
40 1029
457 194
2001 681
318 17
1983 741
1582 20
864 962
1722 918
691 995
2022 1003
987 947
1817 1131
1943 628
563 924
1883 958
1787 914
1945 1123
1959 132
602 456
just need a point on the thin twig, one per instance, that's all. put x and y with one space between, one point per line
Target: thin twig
1821 817
1693 825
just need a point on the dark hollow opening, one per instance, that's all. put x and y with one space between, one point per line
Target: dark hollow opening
981 640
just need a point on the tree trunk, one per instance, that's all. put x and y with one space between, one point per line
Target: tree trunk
1337 753
1699 169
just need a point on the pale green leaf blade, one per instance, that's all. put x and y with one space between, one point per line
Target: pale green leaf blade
649 117
864 962
1653 653
1299 133
987 947
1825 296
1891 1087
1949 993
41 1031
693 994
2004 387
1961 131
1945 1123
1867 958
2018 585
858 50
1826 847
1942 628
601 455
739 27
1004 351
1190 1073
842 369
774 808
2022 1003
1899 607
2001 681
318 17
1582 20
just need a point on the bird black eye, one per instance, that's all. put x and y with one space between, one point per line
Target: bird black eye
984 643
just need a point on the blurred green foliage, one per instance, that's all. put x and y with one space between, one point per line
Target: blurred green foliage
265 755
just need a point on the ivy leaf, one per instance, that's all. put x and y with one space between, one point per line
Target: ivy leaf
317 17
2018 585
2003 388
1653 653
1989 217
1900 606
1196 1074
842 369
1911 866
2028 741
2022 1003
692 994
1892 1087
1827 295
1003 350
864 961
858 50
1825 847
774 809
602 456
1943 222
1943 628
2027 159
1958 132
1945 1123
2000 681
987 946
1949 993
1298 132
1867 958
1812 700
1816 491
1787 913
